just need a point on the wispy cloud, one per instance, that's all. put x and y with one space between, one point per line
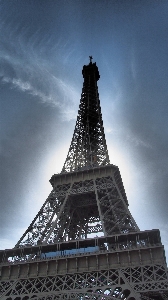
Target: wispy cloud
25 70
27 87
137 141
39 82
128 136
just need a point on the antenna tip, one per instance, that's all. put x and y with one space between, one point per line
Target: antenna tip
90 57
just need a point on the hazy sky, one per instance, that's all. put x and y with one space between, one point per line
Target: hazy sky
43 47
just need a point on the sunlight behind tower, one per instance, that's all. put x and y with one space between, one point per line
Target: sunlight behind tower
88 196
57 257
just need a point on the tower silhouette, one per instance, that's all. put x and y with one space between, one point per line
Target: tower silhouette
60 255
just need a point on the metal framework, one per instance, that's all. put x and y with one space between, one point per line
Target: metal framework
88 147
81 203
57 257
124 266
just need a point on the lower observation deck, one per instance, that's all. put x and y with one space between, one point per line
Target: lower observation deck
93 246
134 260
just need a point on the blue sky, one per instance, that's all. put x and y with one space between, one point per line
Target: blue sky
44 45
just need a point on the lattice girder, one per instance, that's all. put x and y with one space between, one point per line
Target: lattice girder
81 203
105 284
40 226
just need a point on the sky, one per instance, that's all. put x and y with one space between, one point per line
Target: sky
43 47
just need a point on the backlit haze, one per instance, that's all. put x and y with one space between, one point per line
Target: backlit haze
43 47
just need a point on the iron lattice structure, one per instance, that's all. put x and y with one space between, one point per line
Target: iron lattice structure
88 147
56 258
87 180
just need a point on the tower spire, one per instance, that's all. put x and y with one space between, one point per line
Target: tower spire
88 146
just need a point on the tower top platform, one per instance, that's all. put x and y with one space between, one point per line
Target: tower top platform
91 70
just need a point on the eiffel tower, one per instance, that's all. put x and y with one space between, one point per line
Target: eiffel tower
84 242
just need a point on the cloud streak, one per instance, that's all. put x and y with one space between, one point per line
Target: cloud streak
54 91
